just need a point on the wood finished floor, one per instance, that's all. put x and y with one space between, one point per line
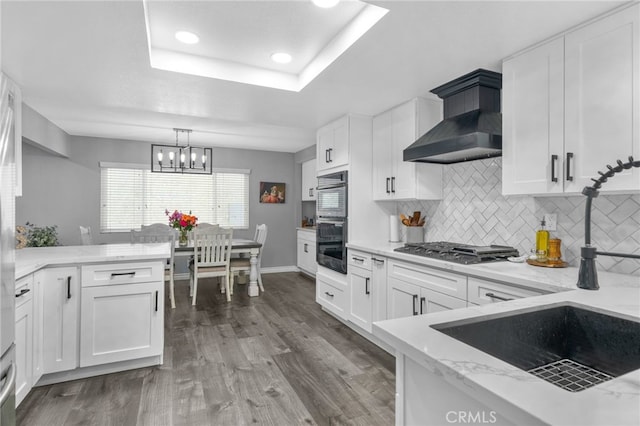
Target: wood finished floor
277 359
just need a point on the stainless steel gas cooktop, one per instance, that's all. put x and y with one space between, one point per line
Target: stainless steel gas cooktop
459 253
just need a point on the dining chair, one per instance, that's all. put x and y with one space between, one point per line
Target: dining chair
212 253
152 234
85 235
244 264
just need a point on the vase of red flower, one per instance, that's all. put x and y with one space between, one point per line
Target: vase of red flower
183 223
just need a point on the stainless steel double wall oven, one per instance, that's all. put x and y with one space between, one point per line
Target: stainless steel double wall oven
331 224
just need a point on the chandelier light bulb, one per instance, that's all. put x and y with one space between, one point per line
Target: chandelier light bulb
182 158
160 157
171 155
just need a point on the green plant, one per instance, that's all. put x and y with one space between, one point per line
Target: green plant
41 236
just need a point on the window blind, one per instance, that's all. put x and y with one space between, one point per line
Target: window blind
131 197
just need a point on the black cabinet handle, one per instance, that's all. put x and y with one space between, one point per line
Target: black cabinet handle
569 158
330 159
377 260
366 286
388 182
554 160
122 274
415 300
493 296
328 294
156 300
393 184
357 259
69 287
326 155
305 247
310 192
23 292
422 301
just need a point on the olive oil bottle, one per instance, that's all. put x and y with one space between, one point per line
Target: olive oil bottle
542 243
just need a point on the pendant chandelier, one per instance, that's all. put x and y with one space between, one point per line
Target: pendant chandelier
181 158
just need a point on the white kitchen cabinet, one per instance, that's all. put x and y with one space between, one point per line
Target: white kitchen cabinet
482 292
14 103
360 289
393 131
307 251
331 293
332 147
60 316
24 337
570 107
110 309
38 303
116 297
309 180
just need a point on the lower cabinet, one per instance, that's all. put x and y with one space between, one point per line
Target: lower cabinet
306 249
24 337
405 299
60 316
482 292
108 310
361 299
332 293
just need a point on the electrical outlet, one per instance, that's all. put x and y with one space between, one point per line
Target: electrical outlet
551 221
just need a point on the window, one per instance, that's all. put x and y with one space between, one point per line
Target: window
132 196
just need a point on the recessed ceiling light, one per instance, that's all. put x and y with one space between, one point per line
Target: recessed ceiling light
281 58
187 37
325 3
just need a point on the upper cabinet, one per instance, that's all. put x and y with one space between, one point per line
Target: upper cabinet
12 115
309 180
570 107
333 145
393 131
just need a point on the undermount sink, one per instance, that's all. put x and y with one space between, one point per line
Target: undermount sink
570 346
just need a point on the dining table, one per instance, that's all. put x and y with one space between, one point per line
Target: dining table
238 246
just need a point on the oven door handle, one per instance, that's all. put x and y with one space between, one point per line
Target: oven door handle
330 222
336 185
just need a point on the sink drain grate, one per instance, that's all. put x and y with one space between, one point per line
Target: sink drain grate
570 375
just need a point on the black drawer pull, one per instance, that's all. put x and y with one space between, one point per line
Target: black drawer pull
156 300
569 158
388 182
305 248
493 296
23 292
393 184
422 302
357 259
415 308
377 260
69 287
328 294
366 286
123 274
554 160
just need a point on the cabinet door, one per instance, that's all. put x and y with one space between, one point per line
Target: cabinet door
361 300
324 144
61 307
24 345
382 155
306 253
402 299
433 301
603 100
379 281
108 310
404 134
339 156
38 310
309 180
533 121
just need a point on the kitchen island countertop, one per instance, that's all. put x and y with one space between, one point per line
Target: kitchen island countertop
546 279
31 259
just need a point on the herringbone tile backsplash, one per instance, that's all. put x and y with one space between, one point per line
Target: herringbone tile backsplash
474 211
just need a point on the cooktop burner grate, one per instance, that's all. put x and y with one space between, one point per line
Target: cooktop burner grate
459 253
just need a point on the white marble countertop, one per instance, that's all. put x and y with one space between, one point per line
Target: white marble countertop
31 259
499 384
522 274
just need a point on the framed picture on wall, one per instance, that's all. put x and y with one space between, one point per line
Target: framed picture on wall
272 192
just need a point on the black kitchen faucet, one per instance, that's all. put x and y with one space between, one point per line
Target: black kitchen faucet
587 275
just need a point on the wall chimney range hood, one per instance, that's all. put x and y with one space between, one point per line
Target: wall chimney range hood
472 125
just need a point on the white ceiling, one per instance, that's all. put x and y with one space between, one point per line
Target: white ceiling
85 65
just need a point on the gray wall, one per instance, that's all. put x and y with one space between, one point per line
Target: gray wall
66 191
307 208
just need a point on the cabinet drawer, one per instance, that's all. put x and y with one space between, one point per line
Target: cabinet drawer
359 259
122 273
482 292
307 235
444 282
24 290
331 297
